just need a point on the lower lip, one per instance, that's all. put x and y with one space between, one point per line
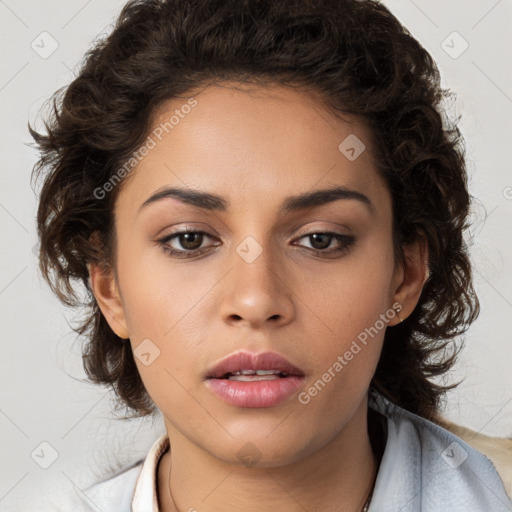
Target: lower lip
263 393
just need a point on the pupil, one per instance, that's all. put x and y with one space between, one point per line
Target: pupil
325 237
189 240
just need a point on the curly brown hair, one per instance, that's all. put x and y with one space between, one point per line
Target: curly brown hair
359 58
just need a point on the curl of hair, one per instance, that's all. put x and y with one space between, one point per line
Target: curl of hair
358 58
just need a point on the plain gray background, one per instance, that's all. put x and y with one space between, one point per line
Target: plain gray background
42 397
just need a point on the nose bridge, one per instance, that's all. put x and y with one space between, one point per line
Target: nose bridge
256 290
254 266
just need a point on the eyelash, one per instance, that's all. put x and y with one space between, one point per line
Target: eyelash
347 241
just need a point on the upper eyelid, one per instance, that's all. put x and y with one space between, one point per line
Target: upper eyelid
197 228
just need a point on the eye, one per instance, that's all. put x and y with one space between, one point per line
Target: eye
321 241
187 244
184 244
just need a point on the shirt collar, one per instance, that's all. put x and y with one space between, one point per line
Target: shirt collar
412 471
146 486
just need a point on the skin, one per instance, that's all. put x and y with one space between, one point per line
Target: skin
256 146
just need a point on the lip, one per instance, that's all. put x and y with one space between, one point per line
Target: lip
262 393
249 361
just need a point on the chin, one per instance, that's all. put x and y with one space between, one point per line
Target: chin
265 447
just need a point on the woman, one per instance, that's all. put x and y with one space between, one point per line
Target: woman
267 210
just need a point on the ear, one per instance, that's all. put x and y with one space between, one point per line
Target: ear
409 279
106 292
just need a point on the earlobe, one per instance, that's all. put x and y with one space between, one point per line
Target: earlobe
412 276
106 292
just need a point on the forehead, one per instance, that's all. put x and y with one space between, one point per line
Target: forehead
253 143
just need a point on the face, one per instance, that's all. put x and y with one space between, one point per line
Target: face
292 285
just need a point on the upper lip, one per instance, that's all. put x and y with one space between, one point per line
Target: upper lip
248 361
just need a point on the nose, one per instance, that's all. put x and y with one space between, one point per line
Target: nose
256 291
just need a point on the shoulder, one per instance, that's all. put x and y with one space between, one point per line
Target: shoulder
426 467
115 494
498 450
133 489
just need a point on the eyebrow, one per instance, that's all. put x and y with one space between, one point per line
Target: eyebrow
213 202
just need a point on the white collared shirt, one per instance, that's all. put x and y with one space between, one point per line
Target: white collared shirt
424 468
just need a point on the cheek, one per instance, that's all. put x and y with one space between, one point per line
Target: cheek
354 295
346 355
156 294
350 303
358 299
163 303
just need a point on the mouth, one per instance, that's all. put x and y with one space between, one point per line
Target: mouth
255 375
255 380
248 367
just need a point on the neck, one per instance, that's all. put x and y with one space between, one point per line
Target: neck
339 476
